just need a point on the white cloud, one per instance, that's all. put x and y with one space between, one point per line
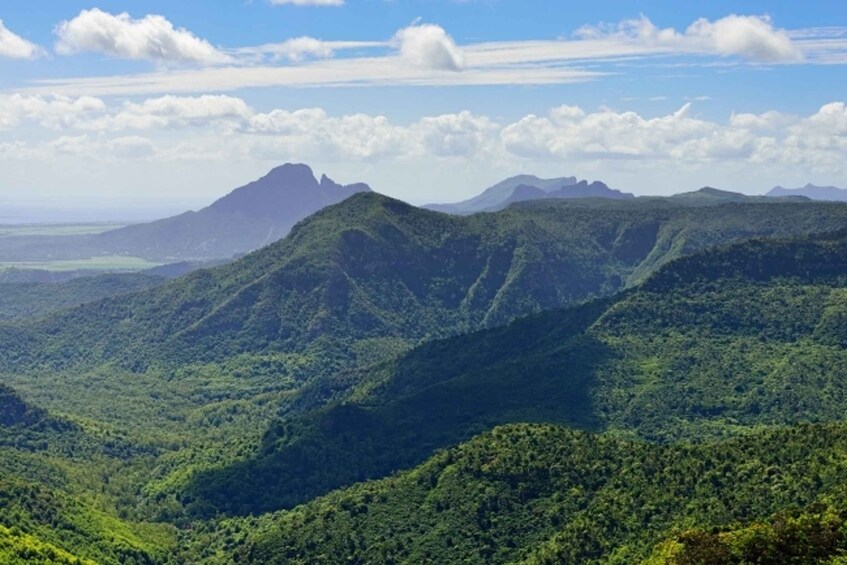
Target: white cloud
430 47
16 47
152 37
564 134
308 2
630 150
461 135
420 54
299 49
48 111
570 132
174 111
751 37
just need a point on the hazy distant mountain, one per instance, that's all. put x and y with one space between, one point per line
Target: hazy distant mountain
712 196
249 217
503 193
582 189
812 191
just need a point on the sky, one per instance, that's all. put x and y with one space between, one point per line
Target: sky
154 105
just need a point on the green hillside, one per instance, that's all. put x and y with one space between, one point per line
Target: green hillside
33 299
543 494
342 354
373 268
710 346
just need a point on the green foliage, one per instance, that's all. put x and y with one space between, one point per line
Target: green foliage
28 300
817 534
261 384
714 353
373 268
17 548
544 494
47 524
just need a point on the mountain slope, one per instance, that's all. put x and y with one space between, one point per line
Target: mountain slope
249 217
373 268
543 494
811 191
710 345
33 299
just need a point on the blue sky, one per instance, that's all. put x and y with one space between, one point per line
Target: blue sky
428 100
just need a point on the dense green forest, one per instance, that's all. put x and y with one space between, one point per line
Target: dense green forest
711 345
544 494
36 299
370 271
657 366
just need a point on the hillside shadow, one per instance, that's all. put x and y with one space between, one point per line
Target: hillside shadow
435 399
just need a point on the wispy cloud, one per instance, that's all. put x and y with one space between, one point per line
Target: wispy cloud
425 55
299 49
752 37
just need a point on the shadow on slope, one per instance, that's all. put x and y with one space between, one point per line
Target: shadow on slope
437 395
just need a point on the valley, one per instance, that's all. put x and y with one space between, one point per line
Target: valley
185 420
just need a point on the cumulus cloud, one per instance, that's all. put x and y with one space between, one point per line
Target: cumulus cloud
308 2
570 132
231 129
816 143
751 37
48 111
172 111
152 38
429 46
15 46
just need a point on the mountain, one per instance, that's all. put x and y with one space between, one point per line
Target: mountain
376 271
582 189
528 187
246 219
811 191
674 342
542 494
249 217
710 345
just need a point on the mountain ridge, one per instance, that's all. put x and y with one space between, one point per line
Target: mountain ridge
831 193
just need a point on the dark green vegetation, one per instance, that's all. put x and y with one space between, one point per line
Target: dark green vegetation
357 277
542 494
711 344
43 460
32 299
342 353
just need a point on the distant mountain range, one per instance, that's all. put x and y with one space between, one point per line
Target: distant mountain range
529 187
813 192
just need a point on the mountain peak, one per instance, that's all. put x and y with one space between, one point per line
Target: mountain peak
712 192
292 173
